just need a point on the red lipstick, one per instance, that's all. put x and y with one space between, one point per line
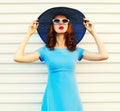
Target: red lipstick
61 27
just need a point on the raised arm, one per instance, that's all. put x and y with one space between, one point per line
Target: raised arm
20 55
102 53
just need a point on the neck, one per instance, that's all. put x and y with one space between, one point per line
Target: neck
60 40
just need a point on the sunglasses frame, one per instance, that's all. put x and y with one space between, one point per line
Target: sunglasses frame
61 21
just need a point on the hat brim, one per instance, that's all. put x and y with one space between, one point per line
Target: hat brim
75 17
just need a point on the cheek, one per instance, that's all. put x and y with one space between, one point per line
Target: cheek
55 27
66 27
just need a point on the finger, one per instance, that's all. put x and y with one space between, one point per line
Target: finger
85 24
35 24
86 20
34 21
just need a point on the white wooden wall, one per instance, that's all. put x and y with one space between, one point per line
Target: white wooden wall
22 85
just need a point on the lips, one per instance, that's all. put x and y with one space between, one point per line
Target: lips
61 27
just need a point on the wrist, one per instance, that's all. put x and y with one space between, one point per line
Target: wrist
29 34
93 32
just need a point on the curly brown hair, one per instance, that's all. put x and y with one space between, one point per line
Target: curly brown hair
69 38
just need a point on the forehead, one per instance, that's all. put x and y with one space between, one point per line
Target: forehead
60 16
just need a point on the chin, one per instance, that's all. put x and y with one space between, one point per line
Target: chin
61 32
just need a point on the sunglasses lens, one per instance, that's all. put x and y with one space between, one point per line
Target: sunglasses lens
65 20
56 21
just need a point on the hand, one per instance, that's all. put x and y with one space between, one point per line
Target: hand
89 25
33 27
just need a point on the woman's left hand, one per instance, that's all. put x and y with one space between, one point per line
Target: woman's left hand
88 25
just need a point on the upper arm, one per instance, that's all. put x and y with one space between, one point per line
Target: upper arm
93 56
28 57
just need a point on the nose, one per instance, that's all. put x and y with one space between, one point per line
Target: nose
60 22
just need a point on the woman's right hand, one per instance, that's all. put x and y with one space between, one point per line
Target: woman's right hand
20 55
33 27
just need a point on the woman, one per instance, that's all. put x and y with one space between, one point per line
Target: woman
60 54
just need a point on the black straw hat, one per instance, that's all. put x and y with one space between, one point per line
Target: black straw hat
75 17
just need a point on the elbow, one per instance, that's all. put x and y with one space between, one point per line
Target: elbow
17 59
104 57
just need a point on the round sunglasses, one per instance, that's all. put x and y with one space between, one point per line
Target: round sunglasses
58 21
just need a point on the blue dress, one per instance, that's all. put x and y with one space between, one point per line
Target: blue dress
61 93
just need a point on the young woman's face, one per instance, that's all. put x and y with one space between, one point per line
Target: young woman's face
60 24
